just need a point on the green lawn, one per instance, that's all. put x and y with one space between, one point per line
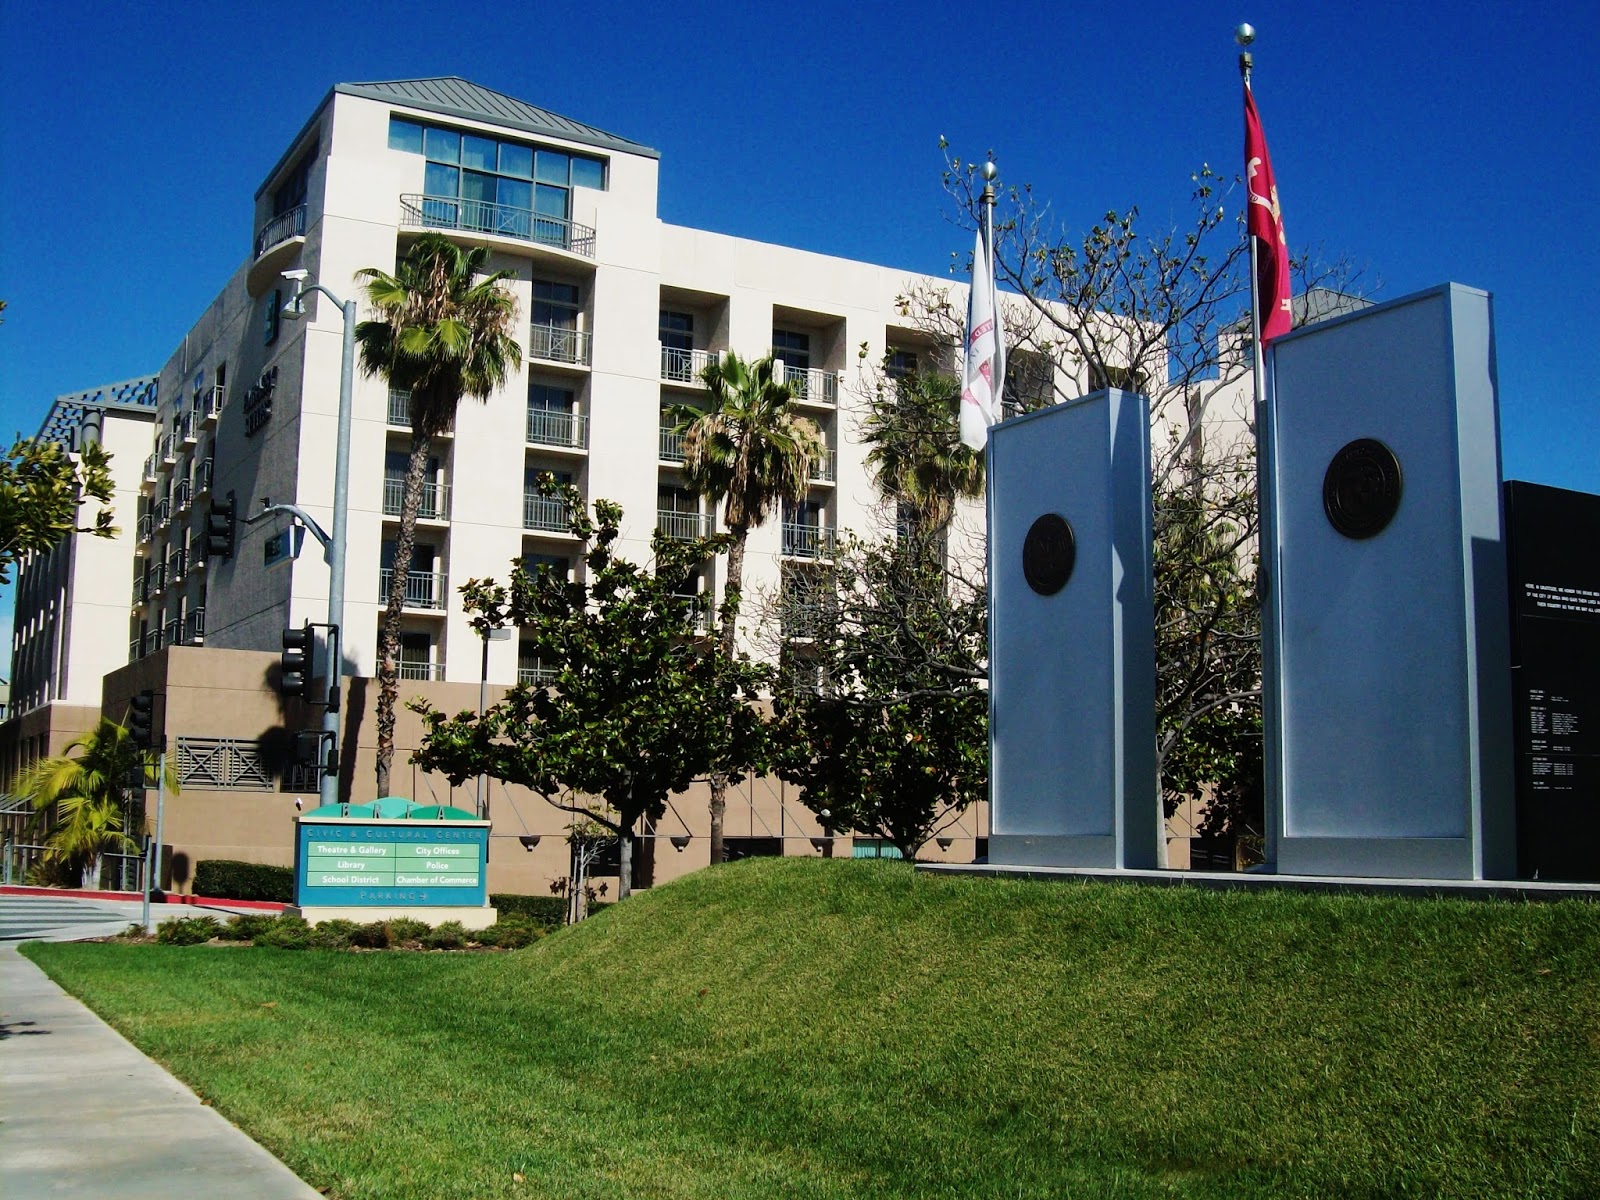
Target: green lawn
828 1029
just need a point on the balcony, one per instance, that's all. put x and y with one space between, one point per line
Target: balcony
683 526
810 385
156 580
189 429
197 550
424 589
555 427
805 618
671 444
135 650
209 406
178 564
280 229
147 522
181 496
141 594
172 635
807 541
531 669
162 512
204 469
147 480
825 469
421 670
495 220
432 505
686 366
546 514
153 641
560 344
169 450
194 627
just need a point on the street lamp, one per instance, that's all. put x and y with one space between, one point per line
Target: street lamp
294 310
502 634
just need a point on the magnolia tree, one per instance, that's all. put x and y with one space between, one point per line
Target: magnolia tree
633 704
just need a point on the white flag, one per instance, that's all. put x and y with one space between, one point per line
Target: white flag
985 365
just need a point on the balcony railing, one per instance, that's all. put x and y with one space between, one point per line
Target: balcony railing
686 366
172 635
197 550
807 541
140 591
194 627
432 505
500 220
178 564
685 526
169 449
421 670
162 512
156 581
181 495
812 385
559 343
135 649
554 427
204 469
153 641
189 429
210 404
146 525
547 513
804 618
825 468
671 444
149 470
400 407
531 669
281 228
424 589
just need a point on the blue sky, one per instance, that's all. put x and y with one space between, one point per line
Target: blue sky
1426 141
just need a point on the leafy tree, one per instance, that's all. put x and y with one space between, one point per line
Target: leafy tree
636 706
749 449
85 799
883 722
43 490
443 332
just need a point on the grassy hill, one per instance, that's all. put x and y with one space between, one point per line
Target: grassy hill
830 1029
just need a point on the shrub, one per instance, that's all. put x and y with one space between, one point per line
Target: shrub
246 927
333 934
452 935
512 933
187 931
287 933
230 880
548 911
374 935
408 929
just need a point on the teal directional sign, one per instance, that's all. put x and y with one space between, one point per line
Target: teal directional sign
355 861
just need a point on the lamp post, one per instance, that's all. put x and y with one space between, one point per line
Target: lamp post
501 634
332 715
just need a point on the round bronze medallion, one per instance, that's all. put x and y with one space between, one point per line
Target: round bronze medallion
1361 489
1048 553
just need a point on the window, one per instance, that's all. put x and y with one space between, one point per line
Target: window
736 848
677 330
544 398
503 187
555 304
900 364
554 564
866 847
416 656
793 348
291 193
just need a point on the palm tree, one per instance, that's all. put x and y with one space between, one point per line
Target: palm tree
442 332
749 449
86 799
916 454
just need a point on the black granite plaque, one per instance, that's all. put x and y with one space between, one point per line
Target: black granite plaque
1553 564
1361 488
1048 554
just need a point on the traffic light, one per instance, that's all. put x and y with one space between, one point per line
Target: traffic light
296 662
141 719
220 528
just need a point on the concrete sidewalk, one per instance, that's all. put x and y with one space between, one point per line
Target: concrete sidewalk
83 1113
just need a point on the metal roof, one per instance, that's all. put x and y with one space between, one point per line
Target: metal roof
66 413
452 96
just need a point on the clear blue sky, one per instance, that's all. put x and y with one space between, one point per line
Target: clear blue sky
1427 141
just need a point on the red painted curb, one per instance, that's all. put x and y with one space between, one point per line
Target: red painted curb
88 894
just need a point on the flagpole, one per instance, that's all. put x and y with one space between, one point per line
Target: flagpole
1267 533
990 173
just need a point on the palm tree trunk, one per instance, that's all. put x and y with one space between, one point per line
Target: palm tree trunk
732 590
389 639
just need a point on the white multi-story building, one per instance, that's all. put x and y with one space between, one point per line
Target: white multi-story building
618 313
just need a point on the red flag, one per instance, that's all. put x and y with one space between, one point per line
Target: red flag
1265 222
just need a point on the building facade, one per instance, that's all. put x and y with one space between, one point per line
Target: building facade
619 312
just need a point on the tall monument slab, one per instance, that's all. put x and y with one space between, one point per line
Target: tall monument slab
1387 676
1071 632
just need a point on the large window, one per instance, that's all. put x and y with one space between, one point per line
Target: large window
794 348
477 182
